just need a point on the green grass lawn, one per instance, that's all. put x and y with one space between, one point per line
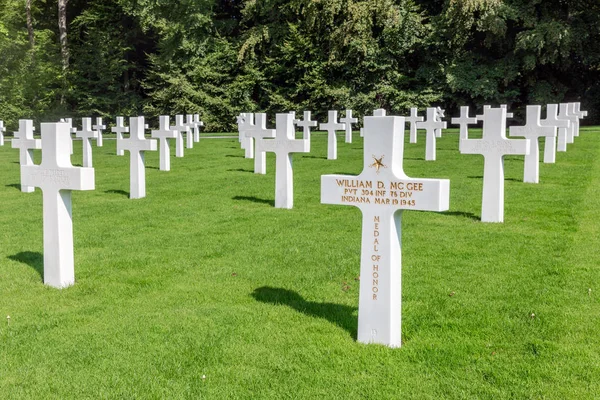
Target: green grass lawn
205 278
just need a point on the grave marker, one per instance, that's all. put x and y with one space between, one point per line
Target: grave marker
348 121
189 134
380 112
493 146
256 132
162 134
197 125
464 121
439 115
331 126
99 128
550 141
86 134
56 177
573 112
532 130
306 124
179 127
381 192
24 141
567 136
413 119
508 114
119 129
2 130
245 123
137 144
432 125
283 145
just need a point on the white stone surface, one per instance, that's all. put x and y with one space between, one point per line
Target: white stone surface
255 132
380 112
348 121
180 126
71 130
137 144
571 107
412 120
306 124
120 129
508 114
438 117
433 127
197 125
464 121
580 114
283 145
331 127
56 177
24 141
99 127
246 123
532 130
566 136
381 192
189 134
550 141
164 133
493 145
2 130
86 134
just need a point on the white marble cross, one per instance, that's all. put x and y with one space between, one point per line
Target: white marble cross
119 129
256 132
532 130
283 145
86 134
464 121
567 136
99 127
24 141
137 144
550 141
2 130
162 134
439 115
413 119
508 114
580 114
306 124
197 125
71 130
572 109
331 126
189 134
180 127
246 122
348 121
494 145
381 192
432 125
57 178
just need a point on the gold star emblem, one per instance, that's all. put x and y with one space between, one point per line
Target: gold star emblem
378 164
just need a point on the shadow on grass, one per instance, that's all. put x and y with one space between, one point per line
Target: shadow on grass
233 155
506 179
151 167
240 170
340 315
32 258
14 185
255 200
317 157
117 191
16 162
462 214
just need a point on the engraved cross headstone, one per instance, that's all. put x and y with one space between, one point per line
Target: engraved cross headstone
189 135
566 136
180 126
245 123
331 126
162 134
348 120
137 144
550 141
197 125
24 141
381 192
532 130
283 145
431 126
86 134
306 124
99 127
493 146
56 177
257 131
464 121
119 129
413 119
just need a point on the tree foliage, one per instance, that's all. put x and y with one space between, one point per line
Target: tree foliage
221 57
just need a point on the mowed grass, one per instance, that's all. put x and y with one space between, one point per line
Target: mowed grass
205 278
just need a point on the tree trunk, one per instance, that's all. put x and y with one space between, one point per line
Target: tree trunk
29 23
62 30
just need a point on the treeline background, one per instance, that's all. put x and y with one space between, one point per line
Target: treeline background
222 57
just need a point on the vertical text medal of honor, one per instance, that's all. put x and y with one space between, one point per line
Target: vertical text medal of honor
382 191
